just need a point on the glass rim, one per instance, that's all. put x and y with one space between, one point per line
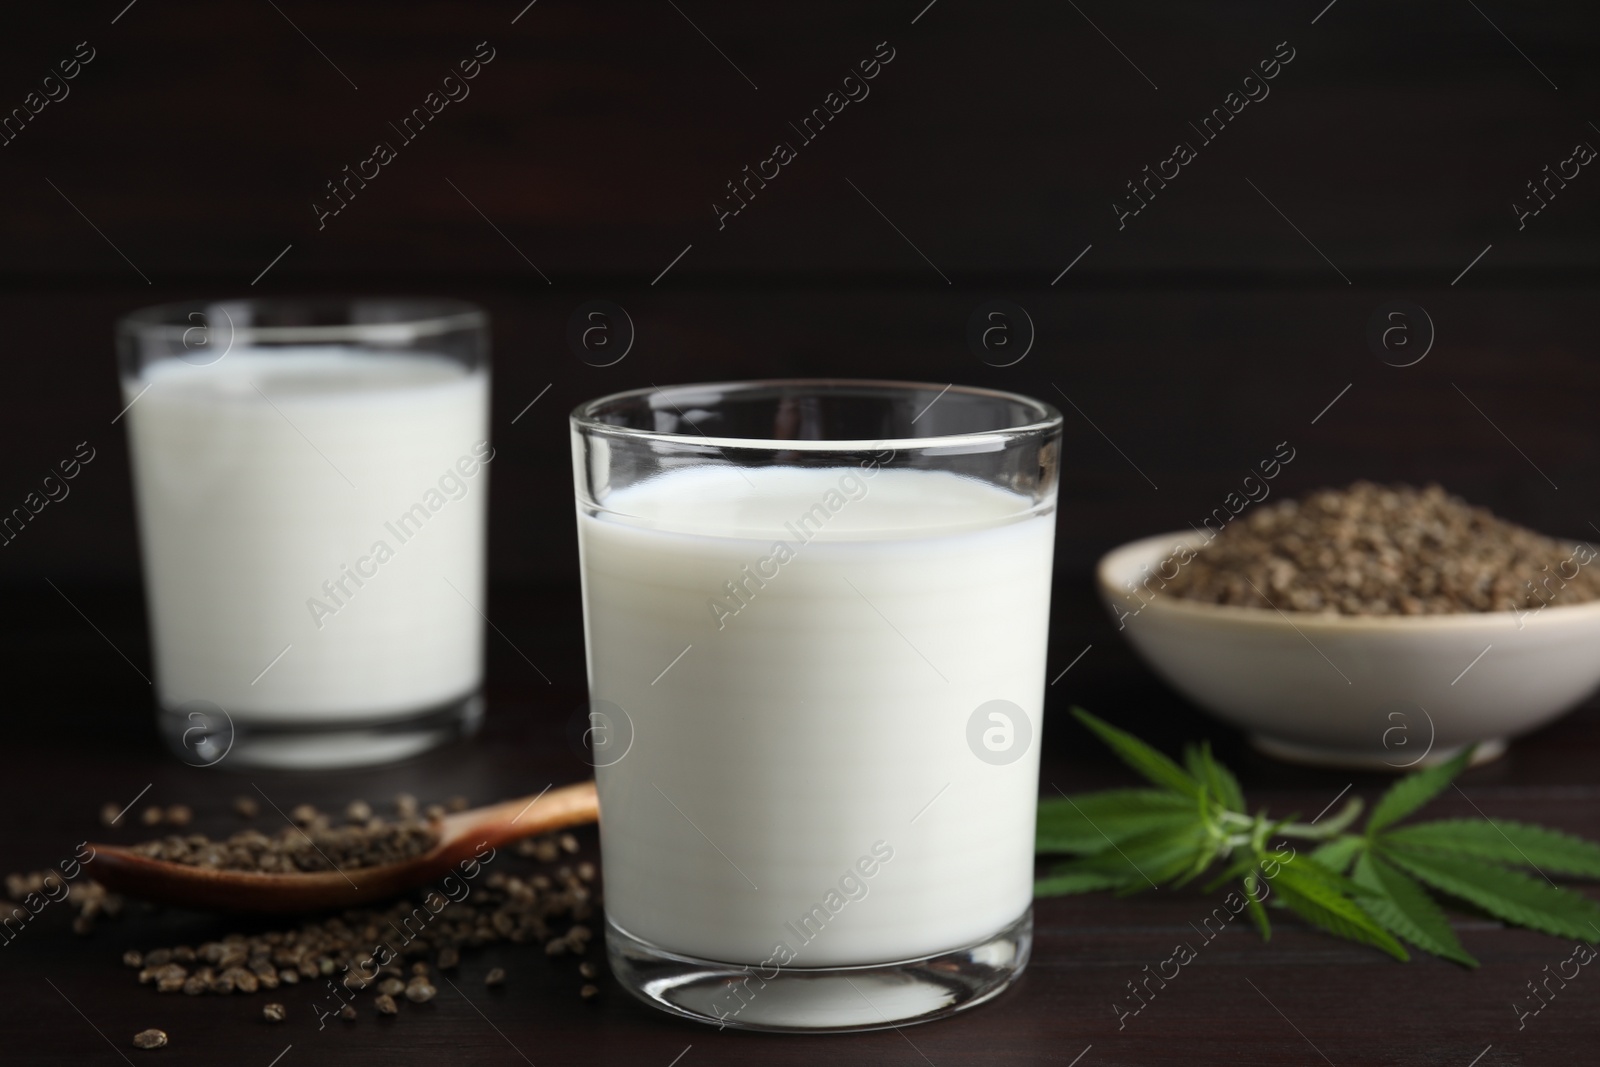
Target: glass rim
1046 418
171 321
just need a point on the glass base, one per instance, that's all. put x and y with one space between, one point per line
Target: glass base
820 999
204 735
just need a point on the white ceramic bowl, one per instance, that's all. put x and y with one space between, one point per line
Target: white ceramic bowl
1368 692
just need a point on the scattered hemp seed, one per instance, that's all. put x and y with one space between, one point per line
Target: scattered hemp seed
109 814
88 898
246 807
509 902
179 815
358 811
589 992
274 1013
568 843
304 814
150 816
150 1039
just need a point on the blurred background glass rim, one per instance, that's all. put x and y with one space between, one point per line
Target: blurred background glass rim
434 315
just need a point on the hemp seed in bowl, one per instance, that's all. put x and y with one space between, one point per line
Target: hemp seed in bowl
1341 638
1380 550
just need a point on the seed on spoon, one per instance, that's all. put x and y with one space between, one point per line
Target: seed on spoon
315 847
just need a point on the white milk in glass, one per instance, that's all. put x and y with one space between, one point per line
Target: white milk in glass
320 500
815 730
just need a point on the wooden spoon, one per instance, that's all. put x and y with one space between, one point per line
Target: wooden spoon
461 837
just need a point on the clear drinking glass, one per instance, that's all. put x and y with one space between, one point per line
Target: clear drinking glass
816 615
311 480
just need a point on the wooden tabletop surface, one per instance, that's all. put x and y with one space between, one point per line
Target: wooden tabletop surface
1303 998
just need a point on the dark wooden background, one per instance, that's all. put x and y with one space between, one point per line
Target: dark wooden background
986 158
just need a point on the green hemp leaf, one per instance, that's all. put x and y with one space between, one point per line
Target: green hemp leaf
1372 886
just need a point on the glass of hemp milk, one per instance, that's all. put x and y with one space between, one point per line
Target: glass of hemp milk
816 617
311 478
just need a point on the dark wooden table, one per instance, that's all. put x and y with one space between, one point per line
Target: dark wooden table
1303 998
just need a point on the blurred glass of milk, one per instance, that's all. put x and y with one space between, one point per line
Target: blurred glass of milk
311 479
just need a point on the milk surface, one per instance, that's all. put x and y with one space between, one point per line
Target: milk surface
317 499
818 732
